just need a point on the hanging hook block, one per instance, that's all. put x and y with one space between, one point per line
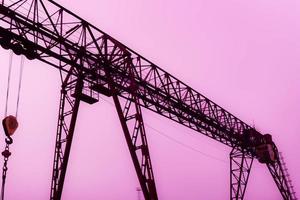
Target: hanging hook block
10 125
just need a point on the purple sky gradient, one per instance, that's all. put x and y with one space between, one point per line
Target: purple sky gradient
243 55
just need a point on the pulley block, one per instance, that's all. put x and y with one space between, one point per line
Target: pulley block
10 125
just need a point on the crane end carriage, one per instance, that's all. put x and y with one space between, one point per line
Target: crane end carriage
260 145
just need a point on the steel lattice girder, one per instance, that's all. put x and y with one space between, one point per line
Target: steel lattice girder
61 37
46 31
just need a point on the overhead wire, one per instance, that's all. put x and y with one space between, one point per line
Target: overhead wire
10 66
185 145
6 153
20 84
8 81
176 141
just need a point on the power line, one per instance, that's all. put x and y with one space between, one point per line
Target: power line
176 141
185 145
20 84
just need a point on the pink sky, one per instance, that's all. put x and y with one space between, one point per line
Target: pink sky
243 55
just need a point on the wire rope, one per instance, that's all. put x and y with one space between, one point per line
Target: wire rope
8 81
176 141
6 153
20 84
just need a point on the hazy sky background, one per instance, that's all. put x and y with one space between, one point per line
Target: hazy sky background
243 55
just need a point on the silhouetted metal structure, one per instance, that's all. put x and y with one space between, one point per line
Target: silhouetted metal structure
91 63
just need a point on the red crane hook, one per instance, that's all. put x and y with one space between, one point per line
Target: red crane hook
10 125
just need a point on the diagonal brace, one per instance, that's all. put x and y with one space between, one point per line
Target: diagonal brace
130 116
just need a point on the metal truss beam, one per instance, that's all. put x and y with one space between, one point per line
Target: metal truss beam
56 36
44 30
240 166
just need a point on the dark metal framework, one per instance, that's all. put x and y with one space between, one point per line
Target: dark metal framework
94 62
287 175
68 110
277 172
240 166
133 127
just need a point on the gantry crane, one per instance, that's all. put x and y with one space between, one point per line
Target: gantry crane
92 63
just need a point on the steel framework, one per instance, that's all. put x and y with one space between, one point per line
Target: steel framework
91 63
68 110
130 115
240 166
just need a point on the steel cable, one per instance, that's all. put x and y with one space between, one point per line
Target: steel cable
20 84
8 82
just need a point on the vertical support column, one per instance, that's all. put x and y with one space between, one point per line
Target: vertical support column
133 127
68 110
240 166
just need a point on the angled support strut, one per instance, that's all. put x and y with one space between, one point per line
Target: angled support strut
68 110
280 180
133 127
130 115
240 166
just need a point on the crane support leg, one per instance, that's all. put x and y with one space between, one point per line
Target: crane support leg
68 110
133 127
280 180
240 166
